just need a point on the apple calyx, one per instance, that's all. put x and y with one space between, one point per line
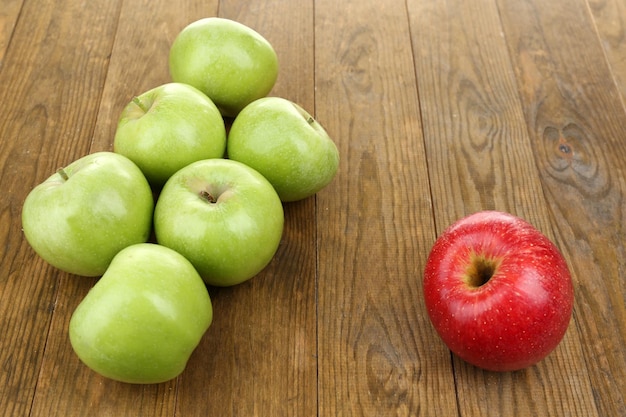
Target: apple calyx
480 270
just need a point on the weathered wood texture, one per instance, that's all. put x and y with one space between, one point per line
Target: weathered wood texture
376 350
439 109
609 19
576 122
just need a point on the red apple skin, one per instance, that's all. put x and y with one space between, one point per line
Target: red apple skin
515 318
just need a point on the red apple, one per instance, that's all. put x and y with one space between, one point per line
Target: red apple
498 291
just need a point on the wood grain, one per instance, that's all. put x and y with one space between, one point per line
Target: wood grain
575 120
376 350
439 109
8 17
610 23
473 124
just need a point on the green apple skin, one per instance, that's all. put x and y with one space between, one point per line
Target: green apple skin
167 128
142 320
223 216
228 61
285 144
84 214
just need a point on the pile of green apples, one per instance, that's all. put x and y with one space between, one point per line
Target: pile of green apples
191 196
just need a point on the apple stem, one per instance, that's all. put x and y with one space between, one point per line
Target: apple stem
140 104
208 197
63 174
310 120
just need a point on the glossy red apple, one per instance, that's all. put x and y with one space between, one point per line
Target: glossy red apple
498 291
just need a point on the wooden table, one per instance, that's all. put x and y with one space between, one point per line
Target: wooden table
439 109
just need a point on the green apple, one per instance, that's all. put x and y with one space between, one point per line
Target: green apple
285 144
84 214
228 61
142 320
167 128
223 216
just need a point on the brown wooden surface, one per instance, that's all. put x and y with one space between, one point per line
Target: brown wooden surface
439 109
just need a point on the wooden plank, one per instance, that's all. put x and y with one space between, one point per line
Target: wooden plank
259 356
610 23
576 121
378 354
9 12
138 61
479 157
472 118
46 121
